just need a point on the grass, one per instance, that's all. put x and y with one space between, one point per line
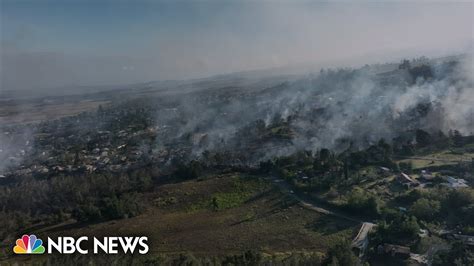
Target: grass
252 216
424 163
240 190
445 157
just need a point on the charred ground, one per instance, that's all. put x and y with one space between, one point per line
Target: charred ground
214 151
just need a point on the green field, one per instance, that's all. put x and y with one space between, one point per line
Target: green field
251 215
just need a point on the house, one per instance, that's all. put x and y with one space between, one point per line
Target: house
402 209
455 182
361 241
401 252
426 176
384 171
423 233
406 180
466 239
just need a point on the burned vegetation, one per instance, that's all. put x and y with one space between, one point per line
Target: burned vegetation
390 147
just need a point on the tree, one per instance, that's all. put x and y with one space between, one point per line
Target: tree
360 202
409 228
406 167
87 213
191 171
100 111
457 138
372 206
250 257
425 209
460 198
341 254
400 230
387 151
324 155
266 166
442 141
423 71
423 138
405 64
407 150
459 254
346 169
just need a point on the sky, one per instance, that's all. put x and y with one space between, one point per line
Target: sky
46 43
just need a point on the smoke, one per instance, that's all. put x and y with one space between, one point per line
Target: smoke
459 110
335 109
451 99
15 145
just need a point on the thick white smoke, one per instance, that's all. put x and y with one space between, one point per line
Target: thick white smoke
336 108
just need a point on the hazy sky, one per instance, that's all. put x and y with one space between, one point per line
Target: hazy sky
72 42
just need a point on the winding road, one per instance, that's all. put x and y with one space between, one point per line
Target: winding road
366 226
311 204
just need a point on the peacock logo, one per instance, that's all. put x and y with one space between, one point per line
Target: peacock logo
29 244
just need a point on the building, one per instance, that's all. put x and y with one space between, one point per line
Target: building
361 241
384 171
406 180
426 176
455 182
397 251
466 239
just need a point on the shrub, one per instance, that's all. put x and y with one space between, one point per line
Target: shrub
87 213
341 254
425 209
190 171
360 202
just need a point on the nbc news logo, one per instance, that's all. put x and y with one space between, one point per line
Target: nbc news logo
30 244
